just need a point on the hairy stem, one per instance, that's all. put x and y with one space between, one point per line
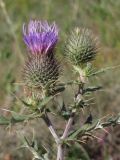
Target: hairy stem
68 127
51 128
60 152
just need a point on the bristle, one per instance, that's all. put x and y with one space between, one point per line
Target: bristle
81 47
41 70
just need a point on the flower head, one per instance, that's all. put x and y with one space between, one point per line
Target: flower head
40 37
41 70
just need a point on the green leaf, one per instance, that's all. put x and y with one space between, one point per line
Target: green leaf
25 103
103 70
20 118
39 152
85 128
16 118
92 89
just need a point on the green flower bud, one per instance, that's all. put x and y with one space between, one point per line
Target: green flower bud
81 47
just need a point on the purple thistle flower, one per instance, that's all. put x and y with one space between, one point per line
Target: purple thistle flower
40 37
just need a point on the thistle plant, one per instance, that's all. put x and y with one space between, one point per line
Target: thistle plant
41 76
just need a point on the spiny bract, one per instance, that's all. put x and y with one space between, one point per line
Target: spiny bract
40 71
81 47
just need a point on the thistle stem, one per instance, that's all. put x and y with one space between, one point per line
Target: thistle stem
51 128
60 149
68 126
60 152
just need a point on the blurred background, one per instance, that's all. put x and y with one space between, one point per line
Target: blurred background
103 18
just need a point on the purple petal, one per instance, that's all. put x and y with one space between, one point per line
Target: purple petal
40 37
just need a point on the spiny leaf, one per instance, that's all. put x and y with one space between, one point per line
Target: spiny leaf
25 103
103 70
16 118
39 152
92 89
85 128
20 118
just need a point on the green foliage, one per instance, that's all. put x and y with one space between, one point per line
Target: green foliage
38 151
16 118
